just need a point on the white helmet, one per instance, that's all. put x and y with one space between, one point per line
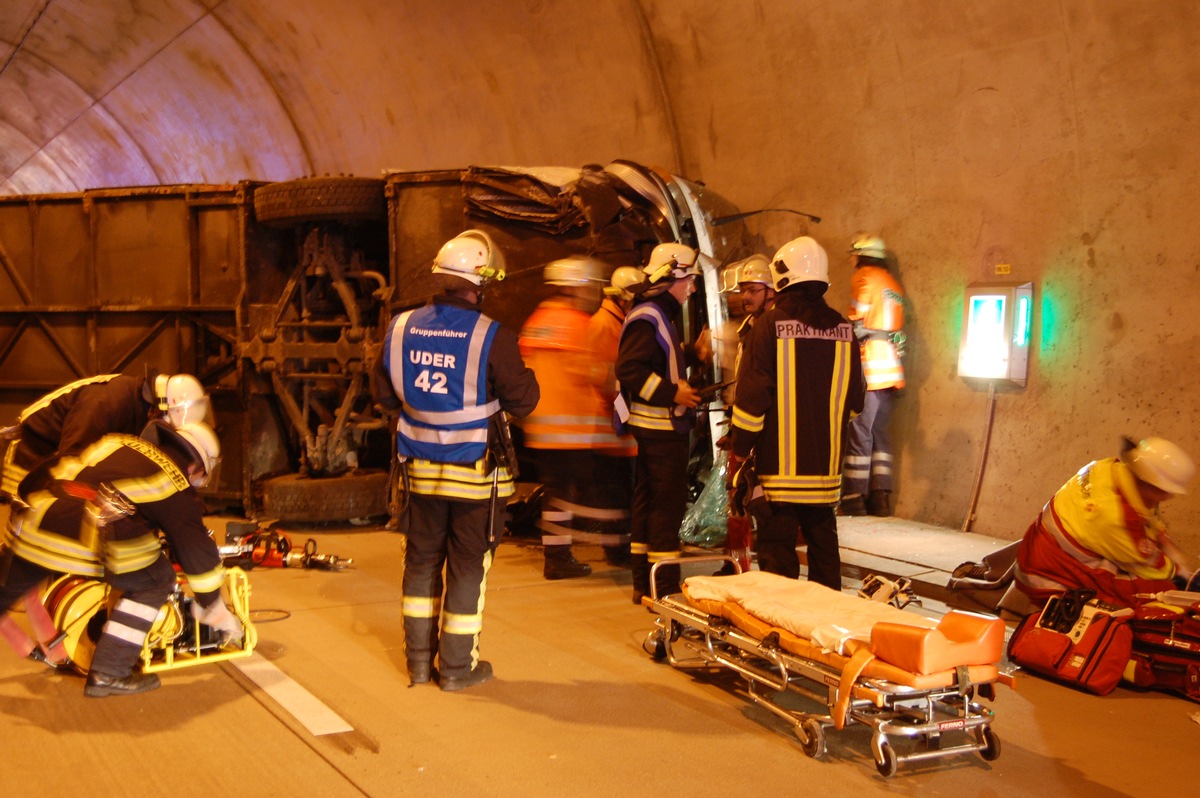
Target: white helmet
574 270
623 279
1162 464
208 449
869 246
181 398
670 261
754 269
472 256
800 260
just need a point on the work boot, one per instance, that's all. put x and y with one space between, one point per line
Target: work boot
879 503
480 674
420 671
100 685
852 505
561 564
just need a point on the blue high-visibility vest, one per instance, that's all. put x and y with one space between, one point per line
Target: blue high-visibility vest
437 359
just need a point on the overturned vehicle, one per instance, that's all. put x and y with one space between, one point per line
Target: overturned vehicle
277 296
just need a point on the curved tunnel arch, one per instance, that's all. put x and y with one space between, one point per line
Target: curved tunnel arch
1056 139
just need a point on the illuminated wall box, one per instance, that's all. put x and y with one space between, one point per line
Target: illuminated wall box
997 319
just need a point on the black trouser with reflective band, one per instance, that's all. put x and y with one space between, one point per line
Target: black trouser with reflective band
868 459
777 543
443 615
659 503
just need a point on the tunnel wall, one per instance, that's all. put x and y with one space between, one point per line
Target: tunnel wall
1055 140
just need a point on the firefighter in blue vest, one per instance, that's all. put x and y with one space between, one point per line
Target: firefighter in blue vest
452 373
657 405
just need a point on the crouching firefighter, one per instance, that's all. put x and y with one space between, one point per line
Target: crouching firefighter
151 483
451 373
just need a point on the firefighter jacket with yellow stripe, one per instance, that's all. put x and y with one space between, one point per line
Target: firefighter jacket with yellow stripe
59 533
71 418
1096 533
571 413
799 383
650 361
451 371
878 313
604 335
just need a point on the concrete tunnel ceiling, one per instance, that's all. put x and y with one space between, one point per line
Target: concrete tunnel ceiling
1056 140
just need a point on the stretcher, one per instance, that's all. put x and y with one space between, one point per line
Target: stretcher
906 676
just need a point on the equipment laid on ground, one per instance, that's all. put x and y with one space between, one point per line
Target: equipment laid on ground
270 548
1075 639
903 674
80 607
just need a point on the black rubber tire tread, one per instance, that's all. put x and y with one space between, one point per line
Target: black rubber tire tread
309 199
293 497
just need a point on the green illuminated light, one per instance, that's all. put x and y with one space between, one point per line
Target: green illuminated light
1021 328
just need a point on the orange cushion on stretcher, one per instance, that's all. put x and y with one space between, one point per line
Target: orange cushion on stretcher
961 638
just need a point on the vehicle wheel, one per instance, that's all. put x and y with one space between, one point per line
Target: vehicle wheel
991 744
312 199
294 497
812 741
885 759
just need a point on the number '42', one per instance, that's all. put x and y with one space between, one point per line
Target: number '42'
431 382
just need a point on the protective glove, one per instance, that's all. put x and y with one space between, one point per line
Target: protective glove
217 616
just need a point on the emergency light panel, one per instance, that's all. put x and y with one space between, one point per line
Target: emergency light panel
997 319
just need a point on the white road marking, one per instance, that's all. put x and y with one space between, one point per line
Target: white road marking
301 704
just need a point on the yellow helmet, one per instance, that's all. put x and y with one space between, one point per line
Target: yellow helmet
869 246
622 282
670 261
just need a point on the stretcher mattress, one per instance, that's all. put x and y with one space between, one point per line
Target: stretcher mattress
824 625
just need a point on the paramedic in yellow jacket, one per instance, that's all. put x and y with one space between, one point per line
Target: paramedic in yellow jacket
877 314
1102 530
611 487
569 421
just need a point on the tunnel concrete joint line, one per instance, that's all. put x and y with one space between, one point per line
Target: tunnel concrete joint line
306 708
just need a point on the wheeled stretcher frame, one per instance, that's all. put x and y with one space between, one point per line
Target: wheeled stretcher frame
691 639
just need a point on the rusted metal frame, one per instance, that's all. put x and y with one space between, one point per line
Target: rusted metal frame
76 367
11 343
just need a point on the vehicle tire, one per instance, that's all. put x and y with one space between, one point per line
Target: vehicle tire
355 495
314 199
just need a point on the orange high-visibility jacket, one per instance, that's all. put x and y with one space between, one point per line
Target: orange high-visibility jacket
604 334
571 413
878 302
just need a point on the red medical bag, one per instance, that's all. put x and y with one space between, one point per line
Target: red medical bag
1166 649
1075 639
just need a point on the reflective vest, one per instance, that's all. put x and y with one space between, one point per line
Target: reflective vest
1095 533
571 413
656 417
878 302
437 359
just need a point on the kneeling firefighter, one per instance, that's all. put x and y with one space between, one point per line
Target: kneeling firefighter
154 478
